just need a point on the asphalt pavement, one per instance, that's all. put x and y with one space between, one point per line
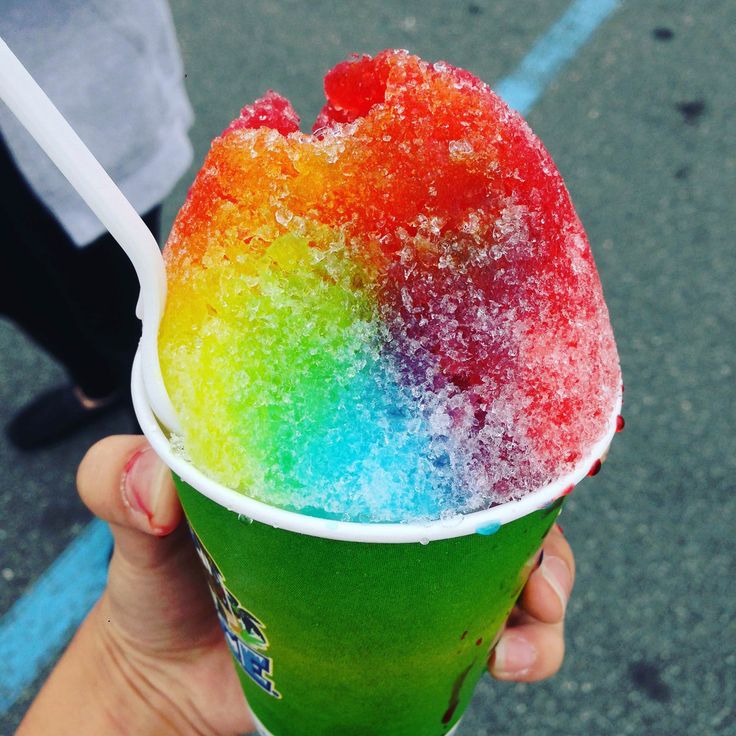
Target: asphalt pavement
637 123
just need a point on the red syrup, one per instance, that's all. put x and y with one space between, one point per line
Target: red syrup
455 695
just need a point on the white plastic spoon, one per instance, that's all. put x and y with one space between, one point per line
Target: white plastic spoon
52 132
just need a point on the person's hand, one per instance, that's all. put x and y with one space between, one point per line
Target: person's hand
533 645
156 613
160 655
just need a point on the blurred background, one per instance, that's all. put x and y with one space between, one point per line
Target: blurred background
637 123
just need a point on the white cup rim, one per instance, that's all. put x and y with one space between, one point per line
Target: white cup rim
480 522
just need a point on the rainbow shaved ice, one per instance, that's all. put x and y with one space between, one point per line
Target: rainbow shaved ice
394 318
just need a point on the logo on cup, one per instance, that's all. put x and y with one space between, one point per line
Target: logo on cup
244 632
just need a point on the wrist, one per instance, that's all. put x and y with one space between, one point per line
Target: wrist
123 706
132 701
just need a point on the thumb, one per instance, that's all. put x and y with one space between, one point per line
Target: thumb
155 588
122 481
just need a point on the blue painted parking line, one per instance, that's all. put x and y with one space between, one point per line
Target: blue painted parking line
40 623
524 86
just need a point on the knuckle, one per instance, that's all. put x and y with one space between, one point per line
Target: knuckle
558 546
558 645
554 652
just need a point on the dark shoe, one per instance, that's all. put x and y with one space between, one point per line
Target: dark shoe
56 414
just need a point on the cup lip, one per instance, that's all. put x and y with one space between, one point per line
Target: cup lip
483 522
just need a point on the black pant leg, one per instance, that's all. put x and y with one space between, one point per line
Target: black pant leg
33 247
78 304
106 291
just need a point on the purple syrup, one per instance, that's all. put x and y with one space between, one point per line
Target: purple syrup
620 423
596 468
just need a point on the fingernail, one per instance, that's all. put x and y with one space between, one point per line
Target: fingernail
556 572
143 479
513 656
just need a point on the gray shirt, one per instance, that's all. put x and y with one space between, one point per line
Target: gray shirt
113 69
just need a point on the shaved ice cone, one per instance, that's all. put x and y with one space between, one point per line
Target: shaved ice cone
387 345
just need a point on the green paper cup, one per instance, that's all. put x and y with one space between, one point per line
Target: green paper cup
349 629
